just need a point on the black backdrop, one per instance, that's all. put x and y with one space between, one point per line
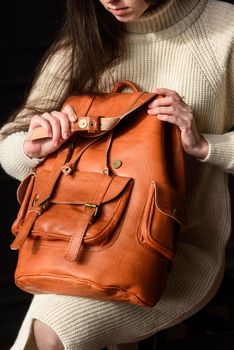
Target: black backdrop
26 29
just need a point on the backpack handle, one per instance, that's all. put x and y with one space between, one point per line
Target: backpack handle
118 87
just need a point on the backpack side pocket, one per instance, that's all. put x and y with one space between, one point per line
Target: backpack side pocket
163 215
24 193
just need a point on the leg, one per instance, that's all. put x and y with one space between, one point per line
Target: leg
85 324
46 338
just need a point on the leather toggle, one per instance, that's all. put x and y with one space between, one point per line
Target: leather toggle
88 123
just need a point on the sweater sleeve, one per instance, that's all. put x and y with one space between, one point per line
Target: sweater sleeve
221 146
221 151
13 159
47 92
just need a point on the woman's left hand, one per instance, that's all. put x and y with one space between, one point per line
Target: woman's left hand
173 109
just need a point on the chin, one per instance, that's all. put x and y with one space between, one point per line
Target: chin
126 19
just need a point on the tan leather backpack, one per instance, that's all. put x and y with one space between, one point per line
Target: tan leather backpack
100 217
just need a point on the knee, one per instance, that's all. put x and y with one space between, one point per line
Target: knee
45 337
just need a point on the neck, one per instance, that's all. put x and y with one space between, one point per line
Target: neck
169 17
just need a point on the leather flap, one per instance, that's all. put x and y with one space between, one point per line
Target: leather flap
109 104
109 108
85 187
100 113
171 203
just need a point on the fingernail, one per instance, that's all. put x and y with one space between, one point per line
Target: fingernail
73 118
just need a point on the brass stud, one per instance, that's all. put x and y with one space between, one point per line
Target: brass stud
83 123
117 164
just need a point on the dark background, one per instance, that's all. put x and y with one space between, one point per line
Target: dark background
27 28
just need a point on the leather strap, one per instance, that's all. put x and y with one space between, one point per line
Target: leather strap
97 124
83 221
25 228
90 123
36 210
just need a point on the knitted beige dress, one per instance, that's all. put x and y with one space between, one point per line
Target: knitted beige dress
185 46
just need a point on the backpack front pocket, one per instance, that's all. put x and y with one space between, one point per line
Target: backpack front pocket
99 198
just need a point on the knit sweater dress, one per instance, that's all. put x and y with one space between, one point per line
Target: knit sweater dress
186 46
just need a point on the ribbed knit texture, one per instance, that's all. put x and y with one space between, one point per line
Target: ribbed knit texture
184 45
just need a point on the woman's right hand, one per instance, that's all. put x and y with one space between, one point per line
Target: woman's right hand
58 127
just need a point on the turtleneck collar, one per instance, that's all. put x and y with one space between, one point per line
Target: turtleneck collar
168 19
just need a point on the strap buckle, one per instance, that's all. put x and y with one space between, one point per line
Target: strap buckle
91 206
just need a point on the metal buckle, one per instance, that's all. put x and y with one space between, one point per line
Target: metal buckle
89 205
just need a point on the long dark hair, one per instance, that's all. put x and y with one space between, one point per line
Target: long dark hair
94 37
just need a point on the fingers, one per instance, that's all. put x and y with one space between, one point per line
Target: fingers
62 129
167 101
175 114
39 121
168 93
56 124
171 108
70 112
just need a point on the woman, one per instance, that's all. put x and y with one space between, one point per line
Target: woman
181 49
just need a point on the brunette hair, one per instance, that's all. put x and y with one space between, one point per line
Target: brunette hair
93 38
